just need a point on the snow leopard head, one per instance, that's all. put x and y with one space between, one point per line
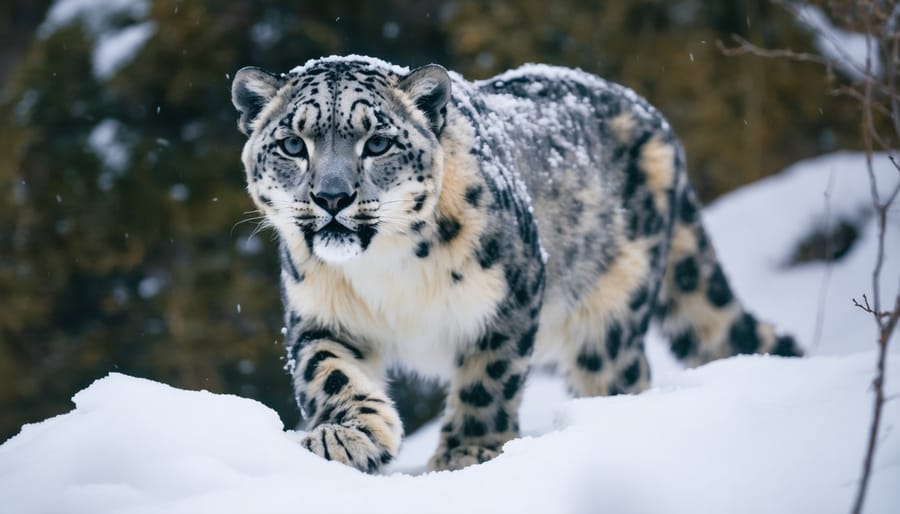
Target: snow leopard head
340 150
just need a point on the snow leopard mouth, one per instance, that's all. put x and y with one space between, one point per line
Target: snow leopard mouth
334 227
336 243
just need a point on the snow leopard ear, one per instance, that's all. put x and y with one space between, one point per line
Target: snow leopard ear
251 90
429 87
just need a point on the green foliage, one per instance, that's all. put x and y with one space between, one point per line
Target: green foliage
140 266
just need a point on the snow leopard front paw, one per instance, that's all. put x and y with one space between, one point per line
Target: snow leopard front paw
348 445
461 457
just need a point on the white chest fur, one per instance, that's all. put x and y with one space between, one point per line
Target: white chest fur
414 311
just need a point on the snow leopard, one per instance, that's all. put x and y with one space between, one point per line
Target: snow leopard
471 231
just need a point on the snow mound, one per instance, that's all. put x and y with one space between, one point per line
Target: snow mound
756 229
750 434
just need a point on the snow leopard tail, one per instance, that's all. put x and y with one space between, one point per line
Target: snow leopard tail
699 313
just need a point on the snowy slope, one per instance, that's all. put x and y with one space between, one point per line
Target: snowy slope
754 434
756 228
749 434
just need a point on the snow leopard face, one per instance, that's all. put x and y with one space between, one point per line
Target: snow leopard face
338 153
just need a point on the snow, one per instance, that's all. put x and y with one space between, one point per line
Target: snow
24 107
116 43
373 61
95 15
265 34
116 49
105 142
149 287
179 192
748 434
847 49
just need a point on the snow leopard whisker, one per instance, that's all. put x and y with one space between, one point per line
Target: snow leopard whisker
402 200
261 219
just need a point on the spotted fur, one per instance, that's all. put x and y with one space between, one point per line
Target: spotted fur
468 229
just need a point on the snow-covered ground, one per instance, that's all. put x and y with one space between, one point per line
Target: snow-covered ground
749 434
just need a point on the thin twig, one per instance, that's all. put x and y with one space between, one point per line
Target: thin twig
894 162
865 307
745 47
870 310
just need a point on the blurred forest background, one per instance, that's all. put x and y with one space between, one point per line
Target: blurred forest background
122 194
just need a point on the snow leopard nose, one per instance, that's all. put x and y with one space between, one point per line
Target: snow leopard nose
333 201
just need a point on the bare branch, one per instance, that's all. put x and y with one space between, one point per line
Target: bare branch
894 162
886 324
865 307
747 48
853 92
846 59
877 96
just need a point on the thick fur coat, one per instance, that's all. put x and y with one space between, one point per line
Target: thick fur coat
467 230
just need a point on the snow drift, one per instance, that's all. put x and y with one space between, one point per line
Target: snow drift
750 434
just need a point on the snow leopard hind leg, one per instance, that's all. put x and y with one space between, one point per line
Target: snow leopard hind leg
606 328
663 266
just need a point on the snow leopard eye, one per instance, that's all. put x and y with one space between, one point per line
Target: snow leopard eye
377 145
293 146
